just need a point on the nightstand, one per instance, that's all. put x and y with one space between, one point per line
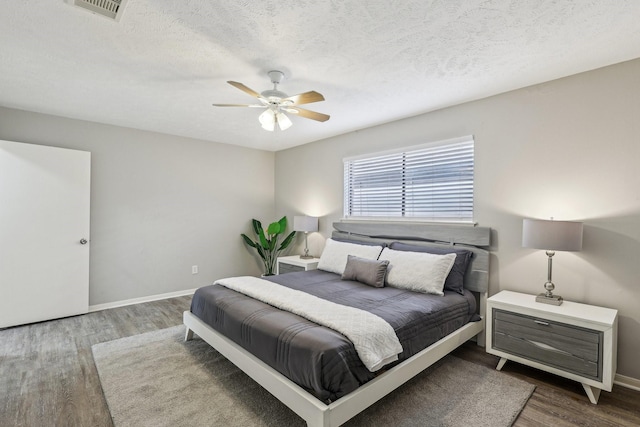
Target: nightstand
293 263
572 340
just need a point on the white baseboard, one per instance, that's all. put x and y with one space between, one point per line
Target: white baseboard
628 382
99 307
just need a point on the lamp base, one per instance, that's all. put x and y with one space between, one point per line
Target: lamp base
306 256
553 299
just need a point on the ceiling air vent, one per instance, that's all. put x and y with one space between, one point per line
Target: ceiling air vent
111 9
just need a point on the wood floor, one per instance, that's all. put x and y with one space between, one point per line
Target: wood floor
48 378
561 402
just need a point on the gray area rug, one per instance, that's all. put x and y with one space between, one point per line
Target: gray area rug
157 379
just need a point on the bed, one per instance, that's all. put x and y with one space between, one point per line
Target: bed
315 370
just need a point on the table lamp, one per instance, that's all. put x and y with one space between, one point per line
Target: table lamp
306 224
551 236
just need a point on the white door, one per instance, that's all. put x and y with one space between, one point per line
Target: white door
44 222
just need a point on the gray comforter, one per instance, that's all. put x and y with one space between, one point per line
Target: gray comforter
319 359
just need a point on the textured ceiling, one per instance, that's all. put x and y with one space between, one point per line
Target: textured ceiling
162 66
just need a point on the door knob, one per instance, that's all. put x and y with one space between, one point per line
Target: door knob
83 241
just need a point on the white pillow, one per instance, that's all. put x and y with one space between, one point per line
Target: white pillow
417 271
334 256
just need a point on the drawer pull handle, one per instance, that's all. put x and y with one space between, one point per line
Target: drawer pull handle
548 347
540 322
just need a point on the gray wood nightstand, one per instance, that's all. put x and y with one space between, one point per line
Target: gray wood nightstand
575 341
293 263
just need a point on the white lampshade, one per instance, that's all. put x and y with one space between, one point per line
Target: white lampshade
305 223
552 235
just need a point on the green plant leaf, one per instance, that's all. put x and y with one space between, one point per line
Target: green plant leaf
257 226
283 224
248 241
287 241
274 228
263 240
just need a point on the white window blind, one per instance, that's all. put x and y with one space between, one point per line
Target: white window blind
432 181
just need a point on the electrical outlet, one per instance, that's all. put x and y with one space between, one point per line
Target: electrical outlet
194 269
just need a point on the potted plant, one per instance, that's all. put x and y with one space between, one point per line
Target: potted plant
266 243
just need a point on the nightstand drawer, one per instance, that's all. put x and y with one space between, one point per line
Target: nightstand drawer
284 268
563 346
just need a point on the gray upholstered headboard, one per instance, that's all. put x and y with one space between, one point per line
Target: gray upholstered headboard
475 239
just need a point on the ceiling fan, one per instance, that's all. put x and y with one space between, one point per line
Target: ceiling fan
277 103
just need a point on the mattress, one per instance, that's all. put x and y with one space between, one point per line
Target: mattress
321 360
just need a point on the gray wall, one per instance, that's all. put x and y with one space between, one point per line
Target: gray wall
567 149
159 204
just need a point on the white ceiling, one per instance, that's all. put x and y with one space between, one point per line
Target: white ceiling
162 66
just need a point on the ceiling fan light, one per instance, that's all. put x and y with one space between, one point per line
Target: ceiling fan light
283 121
268 120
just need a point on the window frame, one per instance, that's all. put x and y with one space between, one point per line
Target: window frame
464 216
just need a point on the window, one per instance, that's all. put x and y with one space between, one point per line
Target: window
432 182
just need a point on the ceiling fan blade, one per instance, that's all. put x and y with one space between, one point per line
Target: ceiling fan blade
308 114
240 105
304 98
245 89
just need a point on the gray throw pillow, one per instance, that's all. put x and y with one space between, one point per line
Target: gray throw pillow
368 271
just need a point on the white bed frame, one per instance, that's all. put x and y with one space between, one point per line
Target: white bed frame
307 406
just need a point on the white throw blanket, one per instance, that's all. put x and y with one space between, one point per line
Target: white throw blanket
374 339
